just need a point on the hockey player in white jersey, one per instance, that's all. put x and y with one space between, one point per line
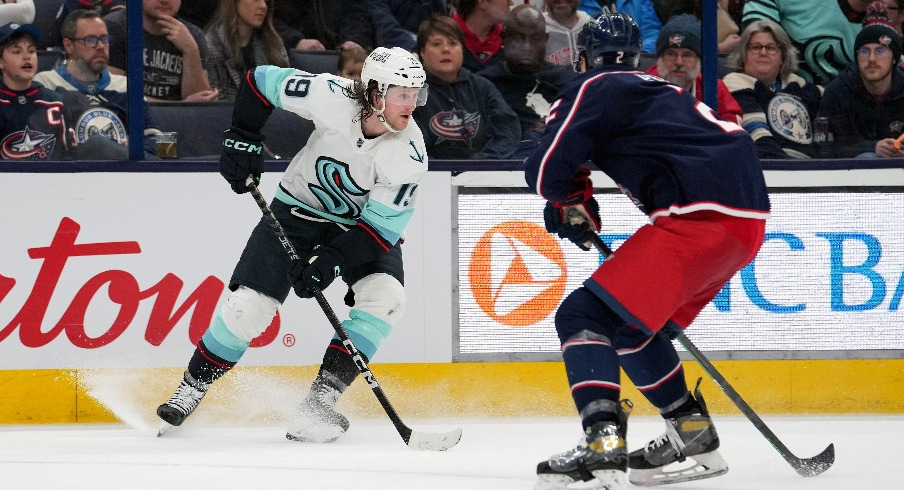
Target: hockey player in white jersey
344 202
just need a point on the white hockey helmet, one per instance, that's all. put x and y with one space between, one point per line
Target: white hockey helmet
393 66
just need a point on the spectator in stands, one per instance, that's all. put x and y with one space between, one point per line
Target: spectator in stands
481 22
104 7
678 53
865 103
317 25
17 11
726 24
351 61
528 83
563 23
395 22
823 31
32 122
779 106
96 101
241 36
176 54
465 116
895 10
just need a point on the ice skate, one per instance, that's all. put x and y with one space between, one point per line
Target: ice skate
687 451
317 419
600 459
183 402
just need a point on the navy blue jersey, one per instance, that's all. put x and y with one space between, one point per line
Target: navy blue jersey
32 124
662 147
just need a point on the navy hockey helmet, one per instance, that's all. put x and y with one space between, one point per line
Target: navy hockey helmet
609 39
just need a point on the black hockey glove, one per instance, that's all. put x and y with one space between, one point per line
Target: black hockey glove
241 157
577 217
318 272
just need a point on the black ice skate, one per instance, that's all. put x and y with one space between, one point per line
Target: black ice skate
183 402
601 459
687 451
317 419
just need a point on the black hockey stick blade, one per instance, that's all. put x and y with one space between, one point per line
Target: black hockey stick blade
803 466
815 465
424 441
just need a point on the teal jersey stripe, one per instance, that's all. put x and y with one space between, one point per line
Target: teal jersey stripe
269 81
388 222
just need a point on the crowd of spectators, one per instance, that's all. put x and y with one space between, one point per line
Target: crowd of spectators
806 78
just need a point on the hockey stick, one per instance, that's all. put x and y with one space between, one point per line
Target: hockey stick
414 439
803 466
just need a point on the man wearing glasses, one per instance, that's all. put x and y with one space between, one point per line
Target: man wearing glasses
865 104
678 50
95 98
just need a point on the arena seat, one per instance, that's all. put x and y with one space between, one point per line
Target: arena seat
314 61
199 125
49 59
45 20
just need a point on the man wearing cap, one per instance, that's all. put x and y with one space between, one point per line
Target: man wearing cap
865 103
678 51
32 123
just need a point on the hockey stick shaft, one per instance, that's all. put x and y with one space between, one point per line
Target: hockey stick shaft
804 467
435 442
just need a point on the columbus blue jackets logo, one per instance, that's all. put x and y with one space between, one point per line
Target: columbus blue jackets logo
676 40
27 145
99 120
455 125
789 118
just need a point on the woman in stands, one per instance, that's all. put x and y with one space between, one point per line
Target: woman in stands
466 116
241 36
779 106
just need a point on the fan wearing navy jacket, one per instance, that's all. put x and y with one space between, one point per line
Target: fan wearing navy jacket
700 182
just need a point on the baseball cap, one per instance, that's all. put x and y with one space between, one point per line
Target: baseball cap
7 30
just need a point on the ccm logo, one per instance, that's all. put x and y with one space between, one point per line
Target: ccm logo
242 146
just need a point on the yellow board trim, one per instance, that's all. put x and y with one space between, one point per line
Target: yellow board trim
519 389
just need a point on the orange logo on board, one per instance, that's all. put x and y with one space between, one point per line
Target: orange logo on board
517 273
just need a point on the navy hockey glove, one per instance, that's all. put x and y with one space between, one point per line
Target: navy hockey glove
319 272
577 217
241 157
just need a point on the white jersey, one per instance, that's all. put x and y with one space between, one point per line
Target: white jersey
341 175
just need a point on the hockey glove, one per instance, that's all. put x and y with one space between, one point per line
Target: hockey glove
319 272
577 217
241 157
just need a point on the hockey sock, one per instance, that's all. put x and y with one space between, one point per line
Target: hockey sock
656 371
592 368
207 367
338 368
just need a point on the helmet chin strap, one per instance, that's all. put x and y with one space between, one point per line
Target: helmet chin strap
380 116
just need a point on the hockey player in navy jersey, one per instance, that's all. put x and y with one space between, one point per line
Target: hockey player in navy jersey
32 118
700 182
344 202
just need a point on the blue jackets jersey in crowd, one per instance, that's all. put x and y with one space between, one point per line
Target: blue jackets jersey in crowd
645 134
466 119
32 124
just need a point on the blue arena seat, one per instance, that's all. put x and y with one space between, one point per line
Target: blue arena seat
200 125
314 61
45 19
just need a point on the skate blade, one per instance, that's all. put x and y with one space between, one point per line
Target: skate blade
322 434
164 428
699 467
603 480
